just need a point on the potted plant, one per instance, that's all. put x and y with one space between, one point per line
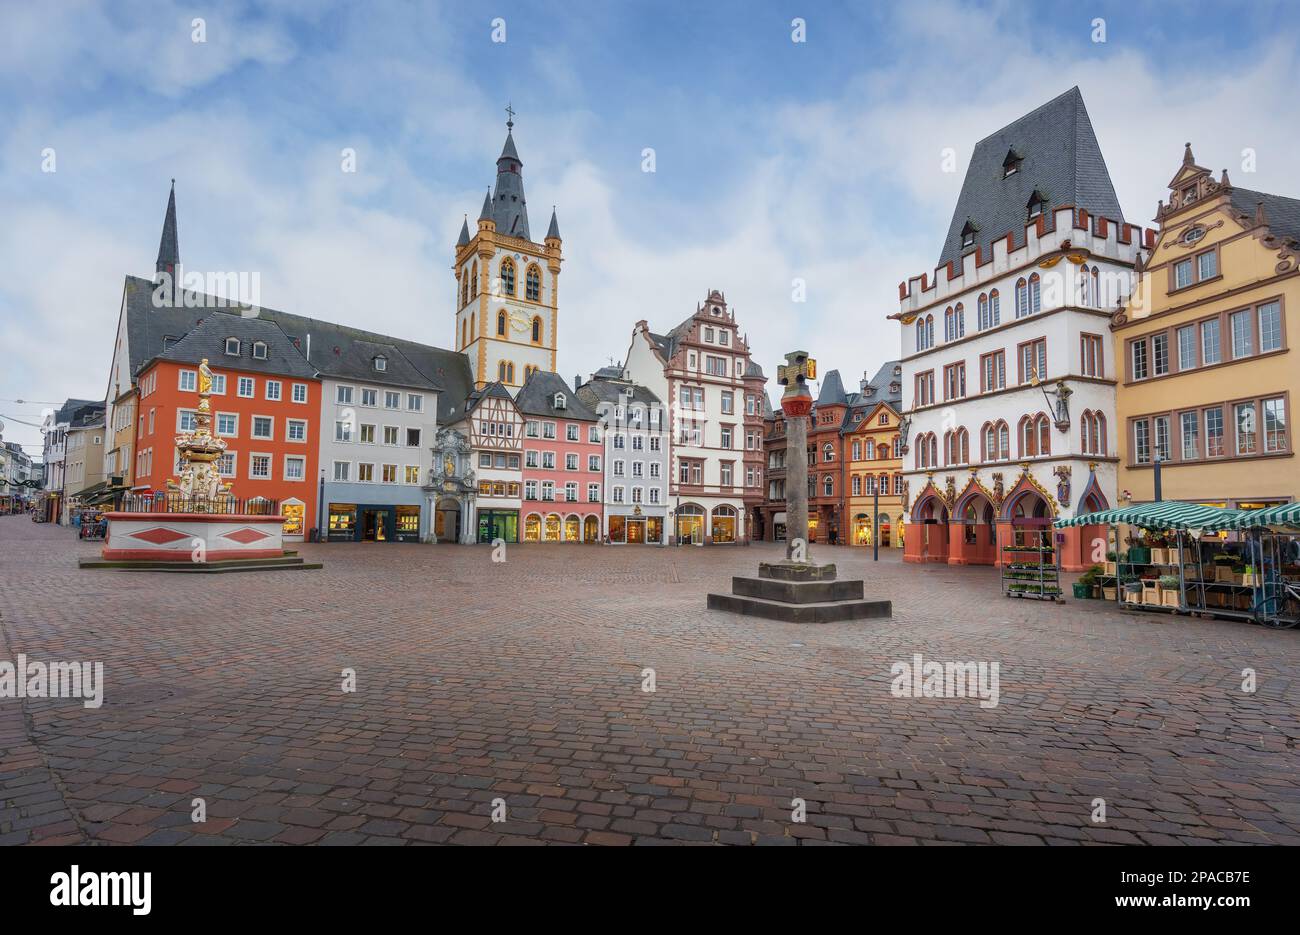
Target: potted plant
1150 589
1089 581
1132 590
1138 554
1159 552
1169 590
1250 577
1112 562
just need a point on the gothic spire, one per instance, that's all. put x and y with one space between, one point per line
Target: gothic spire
464 232
553 232
169 255
486 213
509 208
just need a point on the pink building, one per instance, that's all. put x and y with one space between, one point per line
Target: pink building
563 463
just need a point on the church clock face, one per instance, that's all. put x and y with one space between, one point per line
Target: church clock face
518 320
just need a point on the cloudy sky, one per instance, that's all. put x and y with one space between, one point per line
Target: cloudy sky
774 160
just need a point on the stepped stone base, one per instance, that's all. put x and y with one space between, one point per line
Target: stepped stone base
796 571
799 593
288 561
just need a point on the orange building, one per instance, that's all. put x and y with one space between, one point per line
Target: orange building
266 405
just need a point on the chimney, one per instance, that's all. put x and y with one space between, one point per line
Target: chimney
577 381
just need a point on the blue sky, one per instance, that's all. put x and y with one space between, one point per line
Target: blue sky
774 160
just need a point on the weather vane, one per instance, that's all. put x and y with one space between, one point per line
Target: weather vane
510 116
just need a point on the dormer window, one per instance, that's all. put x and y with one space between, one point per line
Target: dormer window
1011 164
1036 204
259 350
968 233
381 363
232 347
560 402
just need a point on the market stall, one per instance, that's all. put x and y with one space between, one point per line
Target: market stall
1191 558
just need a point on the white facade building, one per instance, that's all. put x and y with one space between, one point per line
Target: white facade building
699 368
1008 376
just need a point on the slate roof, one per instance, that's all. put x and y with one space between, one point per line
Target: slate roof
600 390
554 229
890 372
1059 157
72 407
208 340
537 398
494 389
832 390
1281 213
447 371
89 416
881 393
509 208
169 252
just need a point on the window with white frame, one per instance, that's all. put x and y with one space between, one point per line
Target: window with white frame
247 387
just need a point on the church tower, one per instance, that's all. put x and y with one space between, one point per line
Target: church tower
507 284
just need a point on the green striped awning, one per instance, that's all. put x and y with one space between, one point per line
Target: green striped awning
1284 514
1167 514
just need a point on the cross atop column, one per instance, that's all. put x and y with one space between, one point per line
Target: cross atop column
510 116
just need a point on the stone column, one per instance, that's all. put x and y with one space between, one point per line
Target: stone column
796 404
796 482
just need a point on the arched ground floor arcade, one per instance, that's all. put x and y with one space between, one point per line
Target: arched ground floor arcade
978 524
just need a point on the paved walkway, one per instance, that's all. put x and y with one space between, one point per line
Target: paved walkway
521 683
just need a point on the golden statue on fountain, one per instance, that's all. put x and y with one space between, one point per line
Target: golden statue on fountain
200 483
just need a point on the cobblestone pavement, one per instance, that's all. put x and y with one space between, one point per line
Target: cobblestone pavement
522 682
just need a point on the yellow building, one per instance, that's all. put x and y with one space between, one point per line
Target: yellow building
119 457
1207 373
873 459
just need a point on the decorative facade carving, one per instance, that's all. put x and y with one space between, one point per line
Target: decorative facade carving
1062 473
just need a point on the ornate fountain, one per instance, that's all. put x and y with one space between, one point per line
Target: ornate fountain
198 524
200 484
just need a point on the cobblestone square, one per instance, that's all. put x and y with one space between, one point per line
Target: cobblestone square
522 683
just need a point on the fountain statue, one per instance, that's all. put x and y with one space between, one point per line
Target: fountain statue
199 451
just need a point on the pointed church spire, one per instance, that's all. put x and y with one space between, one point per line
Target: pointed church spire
553 232
509 208
169 255
486 213
464 232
